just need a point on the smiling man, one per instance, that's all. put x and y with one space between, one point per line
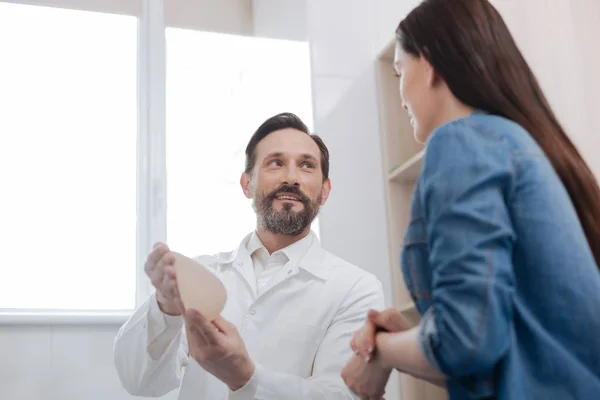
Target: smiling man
292 307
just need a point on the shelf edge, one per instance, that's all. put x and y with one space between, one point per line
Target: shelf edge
408 306
397 172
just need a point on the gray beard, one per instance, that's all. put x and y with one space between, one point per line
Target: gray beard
285 222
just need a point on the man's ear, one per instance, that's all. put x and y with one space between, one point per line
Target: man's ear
246 184
325 190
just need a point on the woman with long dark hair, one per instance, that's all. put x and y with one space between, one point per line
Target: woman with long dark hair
502 252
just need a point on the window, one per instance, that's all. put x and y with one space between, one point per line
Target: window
68 158
220 88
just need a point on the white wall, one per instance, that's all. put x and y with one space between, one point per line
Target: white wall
559 40
59 363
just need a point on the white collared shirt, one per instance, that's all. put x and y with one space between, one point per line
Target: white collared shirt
267 265
297 328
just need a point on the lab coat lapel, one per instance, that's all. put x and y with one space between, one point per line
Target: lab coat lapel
243 265
241 262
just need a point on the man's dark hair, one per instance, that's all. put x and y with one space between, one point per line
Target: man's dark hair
276 123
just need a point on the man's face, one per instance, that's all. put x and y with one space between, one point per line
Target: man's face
286 186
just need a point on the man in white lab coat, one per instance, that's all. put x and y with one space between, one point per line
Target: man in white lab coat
292 307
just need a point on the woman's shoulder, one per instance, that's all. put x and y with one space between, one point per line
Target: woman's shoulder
467 150
484 129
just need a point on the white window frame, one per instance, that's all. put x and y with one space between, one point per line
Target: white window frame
151 156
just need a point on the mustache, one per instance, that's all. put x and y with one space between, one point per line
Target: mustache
291 190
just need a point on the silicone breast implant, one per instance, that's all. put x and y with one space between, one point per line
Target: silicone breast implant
199 288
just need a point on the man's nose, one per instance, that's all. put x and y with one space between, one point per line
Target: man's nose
291 177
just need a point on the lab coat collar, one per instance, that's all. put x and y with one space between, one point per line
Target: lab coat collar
316 260
294 252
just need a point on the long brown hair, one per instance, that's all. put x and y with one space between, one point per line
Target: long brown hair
470 47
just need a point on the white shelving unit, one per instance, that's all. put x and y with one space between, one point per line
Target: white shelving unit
402 158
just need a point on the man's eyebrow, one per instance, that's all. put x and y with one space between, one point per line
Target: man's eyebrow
310 157
305 156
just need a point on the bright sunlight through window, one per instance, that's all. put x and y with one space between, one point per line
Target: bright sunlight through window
68 158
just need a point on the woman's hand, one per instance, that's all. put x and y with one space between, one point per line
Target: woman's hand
363 341
367 380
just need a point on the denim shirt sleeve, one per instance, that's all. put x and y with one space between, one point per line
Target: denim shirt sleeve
466 180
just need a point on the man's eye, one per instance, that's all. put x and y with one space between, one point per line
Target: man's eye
275 163
307 165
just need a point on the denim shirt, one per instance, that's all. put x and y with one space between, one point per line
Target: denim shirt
497 263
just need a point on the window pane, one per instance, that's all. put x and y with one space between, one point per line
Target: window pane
68 158
220 88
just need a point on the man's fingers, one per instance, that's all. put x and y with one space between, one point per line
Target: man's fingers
224 326
169 283
151 266
191 325
159 250
356 341
157 275
168 259
203 326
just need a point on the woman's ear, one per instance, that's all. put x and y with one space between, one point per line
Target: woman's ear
246 184
431 75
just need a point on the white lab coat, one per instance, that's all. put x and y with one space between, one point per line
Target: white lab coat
297 331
